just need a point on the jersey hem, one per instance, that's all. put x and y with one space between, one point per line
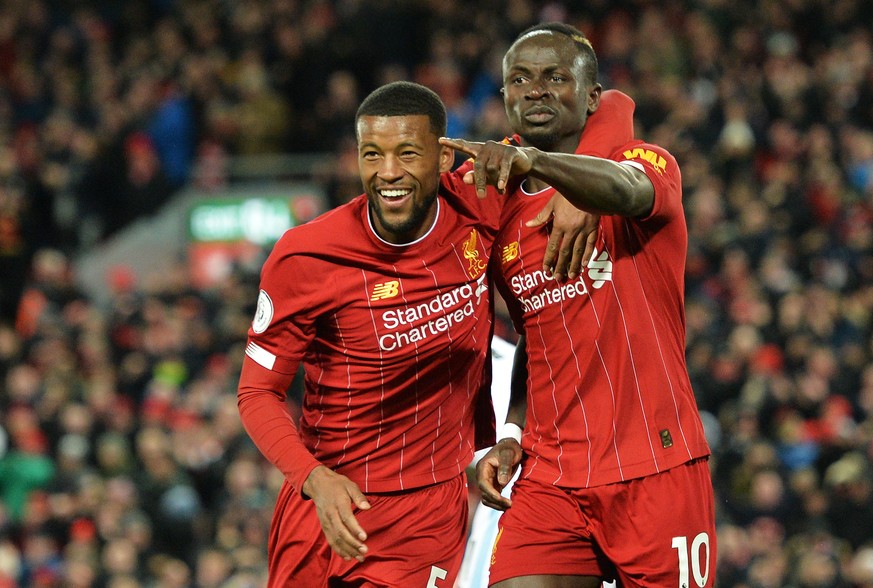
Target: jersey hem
632 472
410 483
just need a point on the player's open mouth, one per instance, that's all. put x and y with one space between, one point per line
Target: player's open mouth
392 194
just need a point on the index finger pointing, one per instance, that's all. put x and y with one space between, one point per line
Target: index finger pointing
468 147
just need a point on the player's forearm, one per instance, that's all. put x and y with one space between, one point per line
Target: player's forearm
266 419
594 184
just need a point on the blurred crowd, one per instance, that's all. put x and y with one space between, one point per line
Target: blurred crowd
122 460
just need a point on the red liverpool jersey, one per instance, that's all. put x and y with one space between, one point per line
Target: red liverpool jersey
393 339
609 398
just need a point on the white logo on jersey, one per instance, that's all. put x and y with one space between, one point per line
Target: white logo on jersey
599 269
412 324
548 292
263 314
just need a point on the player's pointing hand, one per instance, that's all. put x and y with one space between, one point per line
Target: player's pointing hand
493 163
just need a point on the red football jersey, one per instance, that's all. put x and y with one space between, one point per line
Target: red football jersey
393 339
609 397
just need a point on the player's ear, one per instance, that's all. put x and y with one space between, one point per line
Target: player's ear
447 158
593 98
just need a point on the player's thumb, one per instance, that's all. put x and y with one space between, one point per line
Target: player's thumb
540 219
504 467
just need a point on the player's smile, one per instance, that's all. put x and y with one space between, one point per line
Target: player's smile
400 210
394 198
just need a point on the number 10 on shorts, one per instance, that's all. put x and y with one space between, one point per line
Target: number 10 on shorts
699 552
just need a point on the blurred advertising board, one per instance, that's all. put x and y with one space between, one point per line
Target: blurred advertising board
235 229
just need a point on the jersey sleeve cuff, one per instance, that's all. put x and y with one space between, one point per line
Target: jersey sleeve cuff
301 478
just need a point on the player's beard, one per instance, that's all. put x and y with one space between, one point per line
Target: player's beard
542 139
411 224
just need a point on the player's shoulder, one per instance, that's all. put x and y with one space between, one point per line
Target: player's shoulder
334 226
452 186
463 200
661 168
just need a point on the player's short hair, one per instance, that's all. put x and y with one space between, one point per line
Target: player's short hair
579 39
405 99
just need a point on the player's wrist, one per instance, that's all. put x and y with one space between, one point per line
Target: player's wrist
510 431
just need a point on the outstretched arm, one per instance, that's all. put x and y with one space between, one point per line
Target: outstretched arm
597 185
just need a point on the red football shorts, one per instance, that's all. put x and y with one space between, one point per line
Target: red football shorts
414 538
654 531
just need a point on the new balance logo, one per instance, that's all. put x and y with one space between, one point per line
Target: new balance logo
599 269
385 290
509 252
